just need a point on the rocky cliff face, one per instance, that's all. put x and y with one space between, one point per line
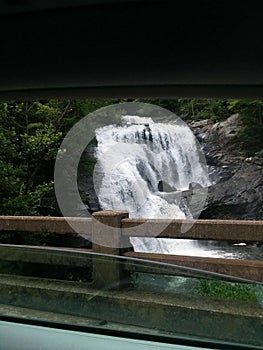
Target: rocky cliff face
237 182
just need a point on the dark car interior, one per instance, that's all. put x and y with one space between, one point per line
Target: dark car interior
130 48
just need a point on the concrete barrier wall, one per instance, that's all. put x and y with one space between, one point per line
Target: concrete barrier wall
233 230
117 228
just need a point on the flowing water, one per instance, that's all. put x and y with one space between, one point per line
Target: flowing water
144 167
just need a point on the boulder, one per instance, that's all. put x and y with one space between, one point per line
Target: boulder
165 187
239 197
195 186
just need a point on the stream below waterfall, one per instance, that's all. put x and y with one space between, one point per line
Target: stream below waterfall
145 167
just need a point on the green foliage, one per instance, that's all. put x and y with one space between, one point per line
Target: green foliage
29 139
251 135
250 111
42 143
195 109
30 135
26 201
227 290
85 106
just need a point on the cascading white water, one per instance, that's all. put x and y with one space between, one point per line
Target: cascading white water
134 159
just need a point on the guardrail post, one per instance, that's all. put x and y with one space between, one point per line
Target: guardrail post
107 239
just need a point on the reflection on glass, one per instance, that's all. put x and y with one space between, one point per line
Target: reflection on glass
129 294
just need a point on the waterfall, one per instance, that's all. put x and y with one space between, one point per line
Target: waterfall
143 166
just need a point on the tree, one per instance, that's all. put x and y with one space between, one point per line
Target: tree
28 146
251 135
30 135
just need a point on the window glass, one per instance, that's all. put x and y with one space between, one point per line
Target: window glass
135 215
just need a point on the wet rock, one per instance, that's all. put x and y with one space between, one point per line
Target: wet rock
236 190
88 193
194 186
219 141
165 187
239 197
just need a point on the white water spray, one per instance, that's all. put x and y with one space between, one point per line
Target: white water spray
141 164
134 158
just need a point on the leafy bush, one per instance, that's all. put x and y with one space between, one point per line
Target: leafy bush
227 290
25 202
